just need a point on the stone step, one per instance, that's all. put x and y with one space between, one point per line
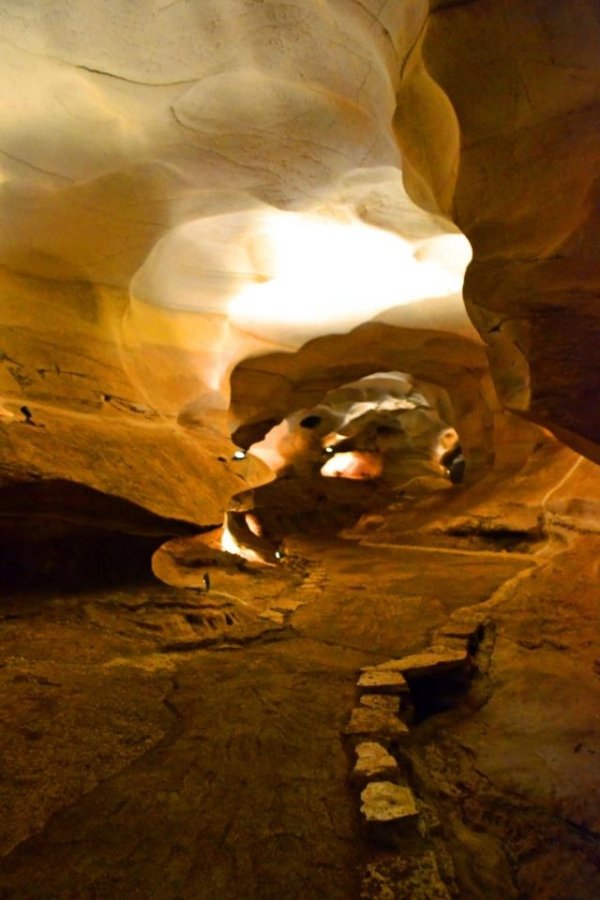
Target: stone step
373 763
404 876
389 811
375 724
389 702
382 681
429 662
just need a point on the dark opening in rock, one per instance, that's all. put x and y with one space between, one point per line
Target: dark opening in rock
76 558
508 539
433 694
311 421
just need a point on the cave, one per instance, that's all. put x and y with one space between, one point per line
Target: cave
299 446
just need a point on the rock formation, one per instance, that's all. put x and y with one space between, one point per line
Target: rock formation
298 449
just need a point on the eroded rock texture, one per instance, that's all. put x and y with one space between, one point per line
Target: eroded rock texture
515 88
268 491
186 185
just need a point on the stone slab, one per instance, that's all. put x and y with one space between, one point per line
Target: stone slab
428 662
401 876
388 702
377 724
288 605
273 616
382 682
386 802
373 763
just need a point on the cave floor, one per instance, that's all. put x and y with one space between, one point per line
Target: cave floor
163 743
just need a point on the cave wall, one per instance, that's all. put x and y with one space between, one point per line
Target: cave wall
512 90
158 162
162 167
215 212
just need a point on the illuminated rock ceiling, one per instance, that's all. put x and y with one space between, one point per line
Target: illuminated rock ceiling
232 165
221 179
299 382
187 187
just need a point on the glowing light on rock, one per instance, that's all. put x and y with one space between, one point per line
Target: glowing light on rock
329 273
353 465
330 440
253 524
287 276
446 441
230 545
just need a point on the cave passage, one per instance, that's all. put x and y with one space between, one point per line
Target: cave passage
173 742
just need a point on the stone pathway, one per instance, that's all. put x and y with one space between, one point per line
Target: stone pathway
244 796
221 772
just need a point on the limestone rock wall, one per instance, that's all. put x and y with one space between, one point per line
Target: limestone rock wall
275 385
512 91
178 182
186 186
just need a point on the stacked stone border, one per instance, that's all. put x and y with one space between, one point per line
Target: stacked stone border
400 829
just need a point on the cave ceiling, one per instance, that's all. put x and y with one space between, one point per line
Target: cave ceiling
216 212
299 433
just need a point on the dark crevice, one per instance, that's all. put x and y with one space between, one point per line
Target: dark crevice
253 432
507 539
464 686
441 5
433 694
58 499
60 535
76 559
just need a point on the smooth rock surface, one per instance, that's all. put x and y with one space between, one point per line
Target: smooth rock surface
157 739
219 216
514 91
379 681
419 665
377 724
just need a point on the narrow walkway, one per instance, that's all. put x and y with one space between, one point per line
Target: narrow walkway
212 775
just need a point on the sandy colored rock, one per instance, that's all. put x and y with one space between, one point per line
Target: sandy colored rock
383 802
380 681
404 877
218 218
287 605
279 383
446 644
373 763
386 702
95 674
419 665
273 615
375 724
461 629
502 137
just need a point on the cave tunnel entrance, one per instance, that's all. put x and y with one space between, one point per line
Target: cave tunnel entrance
382 417
386 425
359 446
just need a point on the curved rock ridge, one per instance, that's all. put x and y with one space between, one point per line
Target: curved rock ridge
187 186
513 92
184 186
274 386
231 161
